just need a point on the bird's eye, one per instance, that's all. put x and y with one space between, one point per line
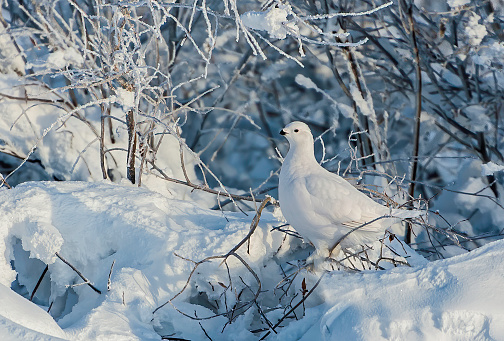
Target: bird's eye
296 130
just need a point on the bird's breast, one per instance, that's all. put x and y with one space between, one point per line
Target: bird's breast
295 202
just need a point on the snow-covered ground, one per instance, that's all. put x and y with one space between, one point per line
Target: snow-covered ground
153 241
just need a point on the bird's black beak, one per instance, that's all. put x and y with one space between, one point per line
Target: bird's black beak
283 132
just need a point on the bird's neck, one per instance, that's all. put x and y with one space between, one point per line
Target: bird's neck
300 156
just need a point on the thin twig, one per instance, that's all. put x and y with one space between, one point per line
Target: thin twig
132 139
294 308
204 331
109 282
232 252
38 282
78 273
4 182
408 9
200 187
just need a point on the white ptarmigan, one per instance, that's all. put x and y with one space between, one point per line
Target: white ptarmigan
321 206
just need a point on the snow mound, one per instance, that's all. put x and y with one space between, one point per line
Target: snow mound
22 320
92 225
154 242
453 299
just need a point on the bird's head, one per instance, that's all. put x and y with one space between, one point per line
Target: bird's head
297 133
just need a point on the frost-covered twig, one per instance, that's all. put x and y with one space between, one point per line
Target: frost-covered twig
349 14
4 182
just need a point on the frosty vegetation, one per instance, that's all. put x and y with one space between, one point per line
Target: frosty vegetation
186 99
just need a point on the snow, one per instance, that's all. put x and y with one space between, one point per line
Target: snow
274 21
475 31
93 224
24 123
364 105
479 119
306 82
22 320
488 53
12 61
309 84
491 168
457 3
125 98
444 300
65 57
100 223
61 71
447 76
70 151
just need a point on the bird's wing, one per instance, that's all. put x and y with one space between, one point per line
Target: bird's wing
335 199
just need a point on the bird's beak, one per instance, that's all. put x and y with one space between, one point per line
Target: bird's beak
283 132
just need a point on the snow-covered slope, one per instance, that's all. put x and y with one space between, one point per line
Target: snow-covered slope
22 320
454 299
91 225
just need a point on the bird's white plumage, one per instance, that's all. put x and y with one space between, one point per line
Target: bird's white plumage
323 207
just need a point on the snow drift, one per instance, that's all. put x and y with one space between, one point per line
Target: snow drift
153 239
